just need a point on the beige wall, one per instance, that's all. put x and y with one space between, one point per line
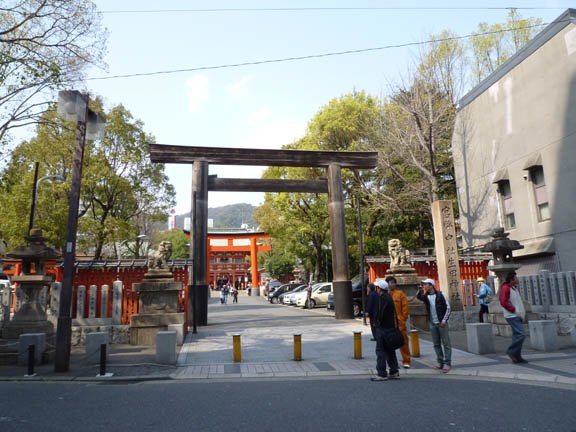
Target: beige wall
530 110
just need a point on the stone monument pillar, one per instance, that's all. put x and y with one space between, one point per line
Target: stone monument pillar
158 299
31 317
447 259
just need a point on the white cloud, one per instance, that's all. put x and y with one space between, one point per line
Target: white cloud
240 87
198 92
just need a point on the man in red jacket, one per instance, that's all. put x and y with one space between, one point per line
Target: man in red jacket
514 313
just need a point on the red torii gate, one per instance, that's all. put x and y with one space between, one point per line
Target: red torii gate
242 243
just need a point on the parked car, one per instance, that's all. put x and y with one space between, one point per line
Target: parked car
274 296
356 296
271 286
289 298
319 295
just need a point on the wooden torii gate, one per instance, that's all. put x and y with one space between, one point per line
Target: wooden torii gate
333 161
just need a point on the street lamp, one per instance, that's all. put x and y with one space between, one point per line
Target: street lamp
57 178
73 106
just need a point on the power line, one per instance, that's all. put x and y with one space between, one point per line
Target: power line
321 9
312 56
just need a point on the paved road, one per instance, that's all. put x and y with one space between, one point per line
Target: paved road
343 404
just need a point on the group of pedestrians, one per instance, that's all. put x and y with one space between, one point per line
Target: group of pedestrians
387 310
228 289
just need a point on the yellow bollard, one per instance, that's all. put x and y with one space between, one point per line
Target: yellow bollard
297 347
415 342
358 345
237 350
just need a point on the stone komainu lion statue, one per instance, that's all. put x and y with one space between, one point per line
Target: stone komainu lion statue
159 259
398 255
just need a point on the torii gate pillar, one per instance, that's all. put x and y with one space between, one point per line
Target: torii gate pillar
199 242
342 286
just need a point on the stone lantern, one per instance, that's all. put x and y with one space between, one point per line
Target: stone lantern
31 317
501 248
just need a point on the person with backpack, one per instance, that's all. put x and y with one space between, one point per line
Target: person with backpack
485 295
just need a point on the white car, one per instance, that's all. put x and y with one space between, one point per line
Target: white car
319 295
290 298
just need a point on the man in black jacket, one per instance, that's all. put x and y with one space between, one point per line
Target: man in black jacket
371 303
384 320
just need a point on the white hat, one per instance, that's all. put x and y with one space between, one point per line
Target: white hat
382 284
429 281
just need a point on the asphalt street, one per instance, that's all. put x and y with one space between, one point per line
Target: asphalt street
344 404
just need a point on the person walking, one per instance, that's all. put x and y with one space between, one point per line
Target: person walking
385 319
234 292
514 313
403 313
222 289
485 295
438 309
371 304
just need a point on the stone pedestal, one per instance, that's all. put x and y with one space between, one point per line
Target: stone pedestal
31 317
543 335
158 301
480 338
409 282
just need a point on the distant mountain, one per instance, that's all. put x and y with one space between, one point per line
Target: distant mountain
230 216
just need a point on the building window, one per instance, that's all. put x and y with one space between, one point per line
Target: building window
540 192
507 204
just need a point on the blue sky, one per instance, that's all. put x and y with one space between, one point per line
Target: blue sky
263 106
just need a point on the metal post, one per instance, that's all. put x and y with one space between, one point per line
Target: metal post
237 349
357 345
415 341
103 360
297 347
34 192
31 359
64 328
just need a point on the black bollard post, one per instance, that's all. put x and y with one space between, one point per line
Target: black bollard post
31 352
103 360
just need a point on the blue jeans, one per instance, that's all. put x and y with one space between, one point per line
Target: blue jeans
384 355
441 339
518 336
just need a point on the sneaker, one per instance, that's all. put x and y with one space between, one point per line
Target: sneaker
437 366
406 366
379 378
521 360
446 369
394 375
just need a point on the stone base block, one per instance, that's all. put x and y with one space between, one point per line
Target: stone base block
543 335
25 341
93 342
480 338
573 335
179 329
13 329
156 320
166 347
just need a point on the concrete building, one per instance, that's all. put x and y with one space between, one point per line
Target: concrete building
514 149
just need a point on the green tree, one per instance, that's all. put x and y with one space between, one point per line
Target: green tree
493 44
123 194
44 45
180 242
